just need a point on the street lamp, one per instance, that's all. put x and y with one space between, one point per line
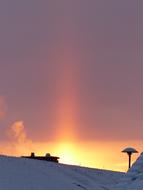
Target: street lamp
129 151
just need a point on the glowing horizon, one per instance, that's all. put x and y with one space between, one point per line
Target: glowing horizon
71 80
94 154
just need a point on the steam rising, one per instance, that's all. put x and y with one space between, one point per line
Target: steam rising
21 144
18 132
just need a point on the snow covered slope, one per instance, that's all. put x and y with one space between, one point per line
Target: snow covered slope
26 174
133 180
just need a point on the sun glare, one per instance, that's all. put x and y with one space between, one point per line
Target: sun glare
67 153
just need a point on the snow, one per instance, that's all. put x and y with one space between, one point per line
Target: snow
133 180
26 174
130 150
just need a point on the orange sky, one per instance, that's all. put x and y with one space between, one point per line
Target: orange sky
104 155
70 149
67 144
71 80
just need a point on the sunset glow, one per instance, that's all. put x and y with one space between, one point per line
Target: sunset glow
71 75
89 154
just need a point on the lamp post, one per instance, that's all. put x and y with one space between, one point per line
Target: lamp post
129 152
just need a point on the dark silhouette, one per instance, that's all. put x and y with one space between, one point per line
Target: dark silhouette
129 151
47 157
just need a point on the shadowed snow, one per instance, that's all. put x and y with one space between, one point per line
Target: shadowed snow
25 174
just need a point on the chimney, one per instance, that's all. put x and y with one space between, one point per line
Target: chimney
47 155
32 154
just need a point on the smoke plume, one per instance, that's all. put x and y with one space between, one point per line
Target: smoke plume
20 143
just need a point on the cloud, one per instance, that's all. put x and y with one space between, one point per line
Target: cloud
18 132
19 142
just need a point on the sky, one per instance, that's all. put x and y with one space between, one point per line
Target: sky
71 78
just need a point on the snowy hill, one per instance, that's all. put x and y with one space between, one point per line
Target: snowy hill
26 174
133 180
